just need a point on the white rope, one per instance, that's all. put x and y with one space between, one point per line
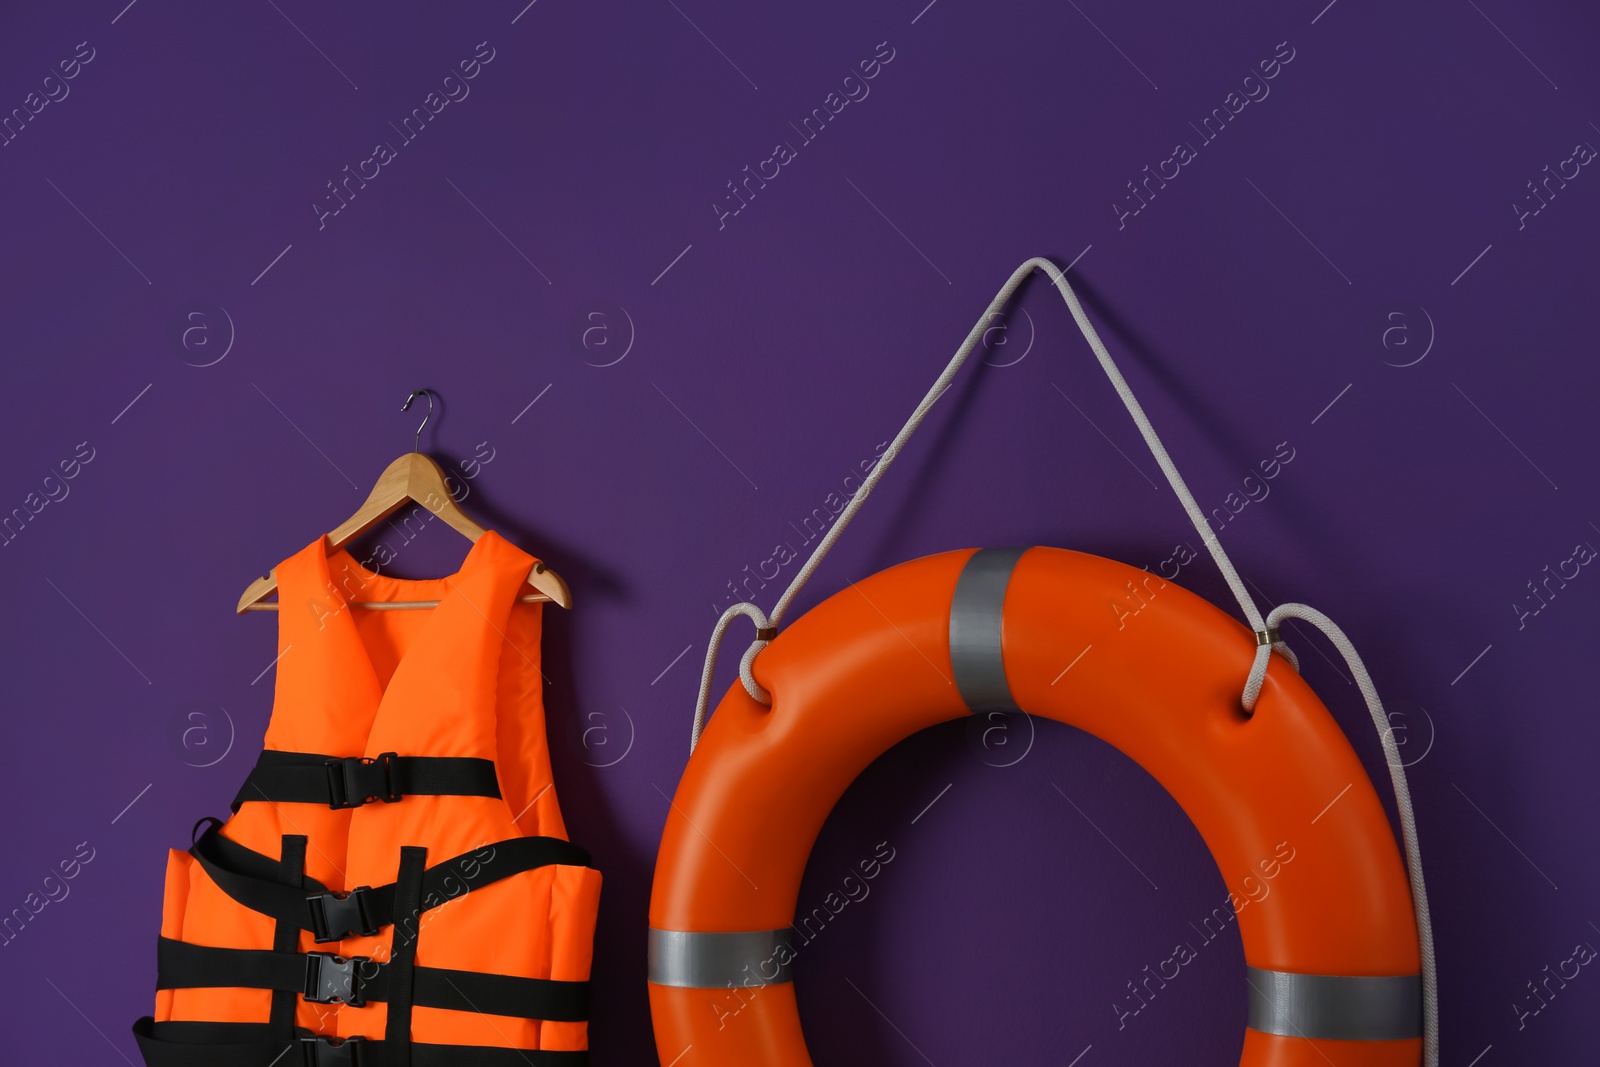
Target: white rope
757 616
1246 603
1408 818
1269 626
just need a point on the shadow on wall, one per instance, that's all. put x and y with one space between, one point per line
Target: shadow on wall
620 1002
1226 435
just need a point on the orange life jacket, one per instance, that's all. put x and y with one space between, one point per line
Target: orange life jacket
395 886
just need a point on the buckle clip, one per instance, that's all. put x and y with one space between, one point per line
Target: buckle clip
335 916
324 1051
357 780
332 979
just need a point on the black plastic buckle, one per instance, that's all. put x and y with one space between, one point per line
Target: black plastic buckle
322 1051
356 780
335 916
332 979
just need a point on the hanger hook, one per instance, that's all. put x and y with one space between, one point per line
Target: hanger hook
407 407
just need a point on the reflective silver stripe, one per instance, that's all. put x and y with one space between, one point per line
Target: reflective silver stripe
975 630
1335 1007
716 960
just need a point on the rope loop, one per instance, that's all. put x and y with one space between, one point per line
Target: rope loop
764 626
1268 641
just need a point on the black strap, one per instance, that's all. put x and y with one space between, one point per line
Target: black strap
403 953
245 862
181 965
250 879
503 994
351 781
286 936
197 1044
202 1044
319 976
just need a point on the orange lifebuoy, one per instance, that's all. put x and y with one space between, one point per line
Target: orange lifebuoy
1333 967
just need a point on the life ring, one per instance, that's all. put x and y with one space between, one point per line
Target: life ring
1332 967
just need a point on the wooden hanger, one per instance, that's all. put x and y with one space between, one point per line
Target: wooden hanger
412 477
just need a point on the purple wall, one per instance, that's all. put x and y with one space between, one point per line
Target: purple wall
1354 264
